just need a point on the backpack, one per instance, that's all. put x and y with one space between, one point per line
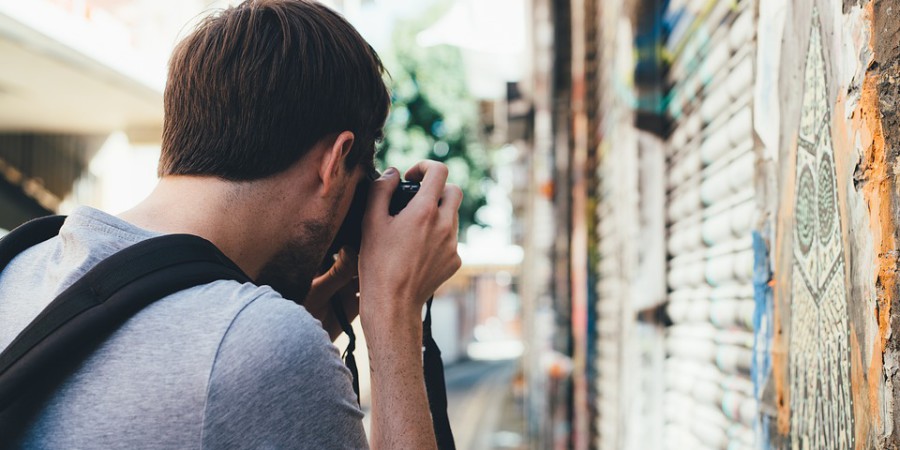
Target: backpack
72 326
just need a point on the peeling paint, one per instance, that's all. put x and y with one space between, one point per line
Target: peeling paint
886 45
866 136
876 179
876 187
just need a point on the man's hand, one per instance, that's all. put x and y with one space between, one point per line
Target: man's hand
408 256
340 283
403 260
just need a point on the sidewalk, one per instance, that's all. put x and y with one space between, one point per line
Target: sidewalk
484 411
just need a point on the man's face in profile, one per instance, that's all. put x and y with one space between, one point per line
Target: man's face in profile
292 269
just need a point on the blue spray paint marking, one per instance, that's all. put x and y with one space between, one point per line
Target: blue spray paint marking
763 328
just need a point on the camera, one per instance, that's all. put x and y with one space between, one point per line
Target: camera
402 195
350 233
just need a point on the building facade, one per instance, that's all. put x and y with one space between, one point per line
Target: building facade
723 267
81 101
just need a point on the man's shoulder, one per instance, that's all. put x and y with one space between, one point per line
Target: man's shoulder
229 324
261 331
261 312
277 380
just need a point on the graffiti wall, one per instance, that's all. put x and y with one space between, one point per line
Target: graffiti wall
830 223
744 288
782 162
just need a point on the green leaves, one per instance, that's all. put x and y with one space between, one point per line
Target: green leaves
433 116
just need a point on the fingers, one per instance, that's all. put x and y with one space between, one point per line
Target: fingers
381 191
450 201
342 272
449 210
345 267
347 295
451 198
345 298
389 289
433 176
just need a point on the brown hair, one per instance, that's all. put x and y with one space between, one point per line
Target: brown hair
255 86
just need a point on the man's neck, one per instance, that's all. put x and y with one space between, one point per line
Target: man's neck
232 216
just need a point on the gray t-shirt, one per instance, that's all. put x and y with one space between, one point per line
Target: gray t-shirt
222 365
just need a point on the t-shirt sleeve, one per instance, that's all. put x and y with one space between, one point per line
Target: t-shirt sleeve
278 382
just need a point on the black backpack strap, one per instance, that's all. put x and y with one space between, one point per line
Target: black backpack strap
117 288
28 235
101 301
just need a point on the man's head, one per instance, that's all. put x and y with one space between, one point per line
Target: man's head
256 86
276 93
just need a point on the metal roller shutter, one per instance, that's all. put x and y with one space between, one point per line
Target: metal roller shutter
709 402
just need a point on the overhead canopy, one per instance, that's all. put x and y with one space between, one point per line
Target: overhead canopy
61 75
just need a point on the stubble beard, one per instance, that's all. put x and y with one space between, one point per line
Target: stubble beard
291 270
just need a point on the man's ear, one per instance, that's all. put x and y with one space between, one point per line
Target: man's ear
332 164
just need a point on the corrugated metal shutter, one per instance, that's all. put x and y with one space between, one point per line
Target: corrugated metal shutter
709 401
616 213
631 236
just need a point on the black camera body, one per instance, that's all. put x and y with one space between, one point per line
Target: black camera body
350 233
402 195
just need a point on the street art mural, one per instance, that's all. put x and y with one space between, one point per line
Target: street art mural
821 410
825 286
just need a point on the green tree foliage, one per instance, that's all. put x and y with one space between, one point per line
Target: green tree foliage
433 116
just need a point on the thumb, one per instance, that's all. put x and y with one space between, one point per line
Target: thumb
381 191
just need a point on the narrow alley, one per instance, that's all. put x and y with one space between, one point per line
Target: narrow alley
680 223
483 406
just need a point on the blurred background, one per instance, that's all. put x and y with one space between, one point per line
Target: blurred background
679 228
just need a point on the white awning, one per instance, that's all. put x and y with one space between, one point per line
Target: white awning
61 74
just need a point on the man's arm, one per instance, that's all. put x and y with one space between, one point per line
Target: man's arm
403 260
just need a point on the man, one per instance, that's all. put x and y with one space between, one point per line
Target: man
272 110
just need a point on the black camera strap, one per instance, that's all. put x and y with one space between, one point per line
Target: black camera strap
435 385
349 359
433 366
